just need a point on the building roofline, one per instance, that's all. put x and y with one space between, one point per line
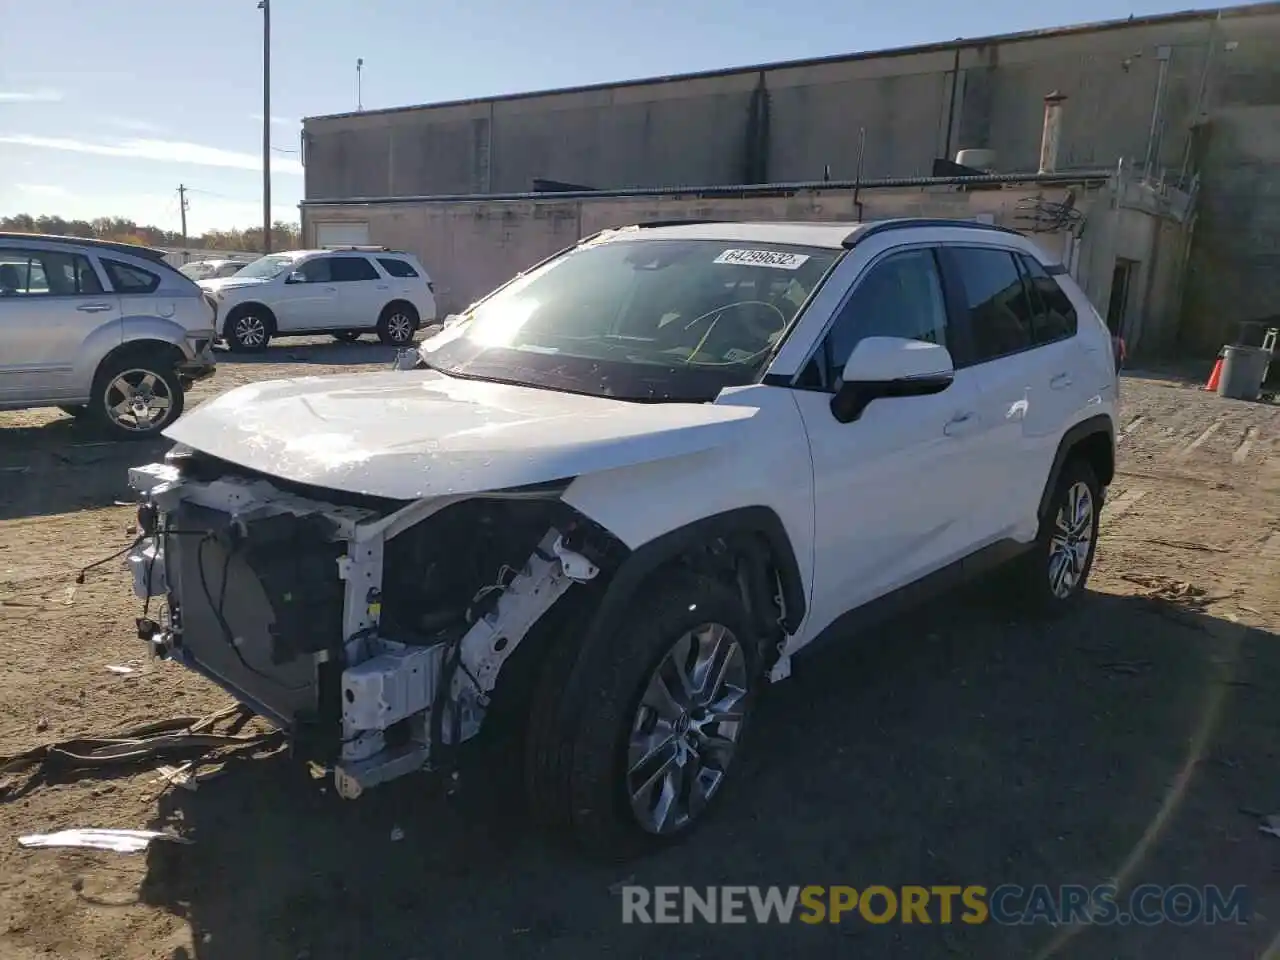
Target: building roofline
714 190
960 43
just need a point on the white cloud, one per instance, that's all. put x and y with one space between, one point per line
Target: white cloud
30 96
163 151
44 190
282 121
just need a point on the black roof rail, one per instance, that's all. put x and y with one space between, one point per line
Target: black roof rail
655 224
883 226
133 249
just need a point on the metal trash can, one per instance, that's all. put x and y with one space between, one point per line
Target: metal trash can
1243 369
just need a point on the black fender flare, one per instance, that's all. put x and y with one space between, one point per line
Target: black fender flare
648 557
1091 426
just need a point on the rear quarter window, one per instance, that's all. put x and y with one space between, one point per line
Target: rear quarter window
126 278
397 268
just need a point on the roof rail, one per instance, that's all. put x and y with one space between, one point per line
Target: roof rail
362 247
133 249
655 224
883 226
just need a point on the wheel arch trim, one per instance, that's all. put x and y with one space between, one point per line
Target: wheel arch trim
1099 425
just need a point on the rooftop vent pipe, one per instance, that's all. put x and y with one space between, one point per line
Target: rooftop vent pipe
1052 132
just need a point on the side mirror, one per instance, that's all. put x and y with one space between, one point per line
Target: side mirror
882 367
296 277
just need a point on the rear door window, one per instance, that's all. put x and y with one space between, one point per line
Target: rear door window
351 269
1000 315
46 273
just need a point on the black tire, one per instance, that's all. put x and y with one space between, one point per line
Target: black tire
77 411
347 336
249 328
150 373
397 324
1042 585
587 703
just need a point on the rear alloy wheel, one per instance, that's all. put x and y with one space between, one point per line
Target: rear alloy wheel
632 740
397 325
1052 575
248 331
136 397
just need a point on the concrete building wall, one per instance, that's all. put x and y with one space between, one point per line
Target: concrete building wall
789 122
470 247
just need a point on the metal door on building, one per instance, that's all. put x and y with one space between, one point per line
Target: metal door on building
342 234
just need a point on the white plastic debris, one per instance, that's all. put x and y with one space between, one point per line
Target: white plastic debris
396 834
1271 825
118 841
122 670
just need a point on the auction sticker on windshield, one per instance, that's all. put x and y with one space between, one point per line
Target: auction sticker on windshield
763 258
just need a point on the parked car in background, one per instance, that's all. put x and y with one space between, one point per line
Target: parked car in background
212 269
343 292
621 493
107 331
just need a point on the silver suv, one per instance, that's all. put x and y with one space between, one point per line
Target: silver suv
103 330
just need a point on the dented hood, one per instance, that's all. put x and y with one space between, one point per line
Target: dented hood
413 434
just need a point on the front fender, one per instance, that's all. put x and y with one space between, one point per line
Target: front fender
769 469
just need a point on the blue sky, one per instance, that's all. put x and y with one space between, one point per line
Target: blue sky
104 111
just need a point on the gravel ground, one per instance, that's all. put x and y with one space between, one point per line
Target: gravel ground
1135 740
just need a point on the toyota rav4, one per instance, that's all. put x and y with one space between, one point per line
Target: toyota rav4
620 494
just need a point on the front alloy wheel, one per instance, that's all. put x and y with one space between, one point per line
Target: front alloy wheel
686 728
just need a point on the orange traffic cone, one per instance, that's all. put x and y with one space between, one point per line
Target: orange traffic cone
1212 384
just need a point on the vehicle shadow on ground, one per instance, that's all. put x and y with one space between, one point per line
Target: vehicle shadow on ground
959 746
64 465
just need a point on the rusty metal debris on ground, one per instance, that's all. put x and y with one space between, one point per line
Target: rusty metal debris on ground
151 741
117 841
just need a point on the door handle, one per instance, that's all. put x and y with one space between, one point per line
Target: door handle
959 423
1060 382
94 307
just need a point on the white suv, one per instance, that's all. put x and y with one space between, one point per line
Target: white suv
624 491
341 292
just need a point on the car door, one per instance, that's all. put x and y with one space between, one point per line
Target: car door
362 292
307 299
1007 376
892 489
52 307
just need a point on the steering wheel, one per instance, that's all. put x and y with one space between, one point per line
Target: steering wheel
719 312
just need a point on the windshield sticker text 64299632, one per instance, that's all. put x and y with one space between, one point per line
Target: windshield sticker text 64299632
763 258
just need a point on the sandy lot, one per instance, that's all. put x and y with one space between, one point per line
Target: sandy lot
1137 740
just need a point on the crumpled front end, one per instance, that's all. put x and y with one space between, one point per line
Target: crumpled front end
373 631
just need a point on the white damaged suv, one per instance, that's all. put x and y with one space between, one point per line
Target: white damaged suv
623 492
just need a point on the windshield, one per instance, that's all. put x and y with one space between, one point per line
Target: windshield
196 271
264 268
638 319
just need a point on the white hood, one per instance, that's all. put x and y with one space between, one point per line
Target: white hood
413 434
224 283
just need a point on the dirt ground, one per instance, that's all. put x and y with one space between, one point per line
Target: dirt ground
1137 740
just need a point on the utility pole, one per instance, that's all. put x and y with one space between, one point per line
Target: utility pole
182 208
359 92
265 7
